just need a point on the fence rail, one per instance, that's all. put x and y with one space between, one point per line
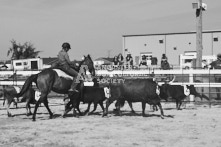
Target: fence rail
189 75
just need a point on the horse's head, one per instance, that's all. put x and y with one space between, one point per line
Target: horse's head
89 63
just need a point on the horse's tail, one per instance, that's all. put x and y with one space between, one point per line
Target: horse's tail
28 83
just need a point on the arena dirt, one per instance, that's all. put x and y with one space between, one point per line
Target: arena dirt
195 126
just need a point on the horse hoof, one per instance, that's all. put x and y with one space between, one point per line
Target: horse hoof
104 115
51 117
162 117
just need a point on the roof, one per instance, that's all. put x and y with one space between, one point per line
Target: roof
105 59
49 60
5 62
177 33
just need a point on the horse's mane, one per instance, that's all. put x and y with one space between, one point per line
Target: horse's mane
88 56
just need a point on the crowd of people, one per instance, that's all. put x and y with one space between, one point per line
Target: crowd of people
119 60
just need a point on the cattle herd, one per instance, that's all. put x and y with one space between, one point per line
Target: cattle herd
145 90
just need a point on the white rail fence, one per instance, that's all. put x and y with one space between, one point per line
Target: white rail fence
190 74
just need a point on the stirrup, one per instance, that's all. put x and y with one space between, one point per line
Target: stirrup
71 90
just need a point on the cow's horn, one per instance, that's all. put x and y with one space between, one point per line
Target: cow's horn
172 79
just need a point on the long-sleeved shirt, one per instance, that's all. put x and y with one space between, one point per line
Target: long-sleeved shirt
63 58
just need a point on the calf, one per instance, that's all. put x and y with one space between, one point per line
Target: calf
9 94
179 93
89 94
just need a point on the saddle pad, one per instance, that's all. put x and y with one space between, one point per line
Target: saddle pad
63 74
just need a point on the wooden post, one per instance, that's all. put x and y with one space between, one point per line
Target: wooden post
199 46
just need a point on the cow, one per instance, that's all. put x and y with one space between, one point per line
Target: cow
89 94
134 90
179 93
9 94
121 102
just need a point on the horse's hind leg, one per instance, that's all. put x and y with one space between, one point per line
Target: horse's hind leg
46 105
43 99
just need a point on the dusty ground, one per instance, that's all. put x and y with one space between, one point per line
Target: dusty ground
195 126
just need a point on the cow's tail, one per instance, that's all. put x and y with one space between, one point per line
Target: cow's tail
28 83
202 96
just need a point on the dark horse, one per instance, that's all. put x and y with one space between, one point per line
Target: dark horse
48 80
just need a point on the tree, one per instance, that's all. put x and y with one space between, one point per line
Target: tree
25 51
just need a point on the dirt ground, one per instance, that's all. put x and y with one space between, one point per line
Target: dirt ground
194 126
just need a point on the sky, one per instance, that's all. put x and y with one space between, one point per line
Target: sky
95 27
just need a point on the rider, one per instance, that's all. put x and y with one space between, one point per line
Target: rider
65 64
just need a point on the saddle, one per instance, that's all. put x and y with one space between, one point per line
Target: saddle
56 65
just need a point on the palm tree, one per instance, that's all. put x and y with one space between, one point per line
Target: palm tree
25 51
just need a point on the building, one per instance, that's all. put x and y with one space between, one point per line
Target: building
28 64
47 62
171 44
103 61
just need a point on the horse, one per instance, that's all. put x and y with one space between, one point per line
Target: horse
49 80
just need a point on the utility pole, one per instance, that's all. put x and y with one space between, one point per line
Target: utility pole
199 28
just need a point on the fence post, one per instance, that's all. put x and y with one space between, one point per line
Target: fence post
192 97
209 90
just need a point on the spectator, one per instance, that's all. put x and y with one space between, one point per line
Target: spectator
143 61
120 59
217 65
154 61
163 58
164 63
115 61
129 59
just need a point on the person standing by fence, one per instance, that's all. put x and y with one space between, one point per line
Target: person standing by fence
164 63
217 65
